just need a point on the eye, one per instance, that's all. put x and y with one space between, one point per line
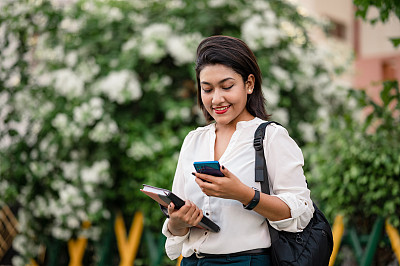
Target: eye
207 90
227 88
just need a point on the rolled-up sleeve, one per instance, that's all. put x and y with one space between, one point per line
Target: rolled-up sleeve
287 181
174 244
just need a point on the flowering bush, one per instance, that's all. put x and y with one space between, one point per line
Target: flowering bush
358 165
96 97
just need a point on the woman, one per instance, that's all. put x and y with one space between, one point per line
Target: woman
230 95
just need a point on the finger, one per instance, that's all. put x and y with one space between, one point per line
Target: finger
199 217
194 220
171 209
224 170
203 185
191 213
199 181
202 177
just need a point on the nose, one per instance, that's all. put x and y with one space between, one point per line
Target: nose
217 97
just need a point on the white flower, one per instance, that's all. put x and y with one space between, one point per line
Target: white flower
217 3
121 86
308 131
115 14
73 222
70 170
71 58
130 44
19 243
61 233
21 127
157 31
106 214
60 121
70 196
3 30
323 115
4 184
14 80
155 36
152 51
138 150
185 113
59 4
87 69
40 169
44 79
18 261
271 95
5 108
103 131
182 48
40 20
88 113
68 83
82 215
282 76
281 115
257 33
9 53
71 25
173 4
98 173
95 206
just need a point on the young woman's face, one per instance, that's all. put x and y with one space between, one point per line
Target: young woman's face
224 94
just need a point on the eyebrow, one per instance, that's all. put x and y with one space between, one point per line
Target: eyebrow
220 82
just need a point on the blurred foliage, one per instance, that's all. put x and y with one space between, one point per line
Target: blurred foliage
97 96
355 169
386 8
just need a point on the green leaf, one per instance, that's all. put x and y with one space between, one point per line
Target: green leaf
395 42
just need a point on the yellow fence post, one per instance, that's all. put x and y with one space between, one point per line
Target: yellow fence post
178 263
337 232
32 262
128 247
76 248
394 239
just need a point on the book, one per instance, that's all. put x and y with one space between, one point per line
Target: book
164 197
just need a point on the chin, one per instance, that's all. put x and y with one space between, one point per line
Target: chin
223 121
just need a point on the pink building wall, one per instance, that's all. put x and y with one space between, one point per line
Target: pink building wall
373 70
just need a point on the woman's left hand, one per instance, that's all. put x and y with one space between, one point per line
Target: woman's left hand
228 186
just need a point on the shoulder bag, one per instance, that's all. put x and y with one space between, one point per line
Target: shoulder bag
312 246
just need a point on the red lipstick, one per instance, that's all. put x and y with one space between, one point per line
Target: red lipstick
221 110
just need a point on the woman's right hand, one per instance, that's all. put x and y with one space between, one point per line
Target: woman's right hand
181 220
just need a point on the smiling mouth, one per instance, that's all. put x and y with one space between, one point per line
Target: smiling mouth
221 110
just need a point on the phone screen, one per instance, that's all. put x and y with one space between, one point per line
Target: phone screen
208 167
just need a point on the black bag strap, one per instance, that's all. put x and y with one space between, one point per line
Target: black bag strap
261 171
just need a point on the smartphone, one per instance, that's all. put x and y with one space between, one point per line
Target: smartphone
208 167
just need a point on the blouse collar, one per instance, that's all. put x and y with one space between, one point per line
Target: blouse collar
241 124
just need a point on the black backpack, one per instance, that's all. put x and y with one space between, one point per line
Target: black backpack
314 245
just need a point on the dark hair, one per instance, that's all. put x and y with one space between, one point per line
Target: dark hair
234 53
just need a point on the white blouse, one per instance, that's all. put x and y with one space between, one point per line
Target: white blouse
241 229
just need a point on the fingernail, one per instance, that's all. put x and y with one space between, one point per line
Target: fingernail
223 167
193 174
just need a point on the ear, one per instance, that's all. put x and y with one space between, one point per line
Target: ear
249 84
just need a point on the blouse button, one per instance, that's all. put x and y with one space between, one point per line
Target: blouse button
205 233
195 250
207 213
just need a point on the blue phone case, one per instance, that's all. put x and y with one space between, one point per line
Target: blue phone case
208 167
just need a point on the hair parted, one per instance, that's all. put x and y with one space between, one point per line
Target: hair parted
234 53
